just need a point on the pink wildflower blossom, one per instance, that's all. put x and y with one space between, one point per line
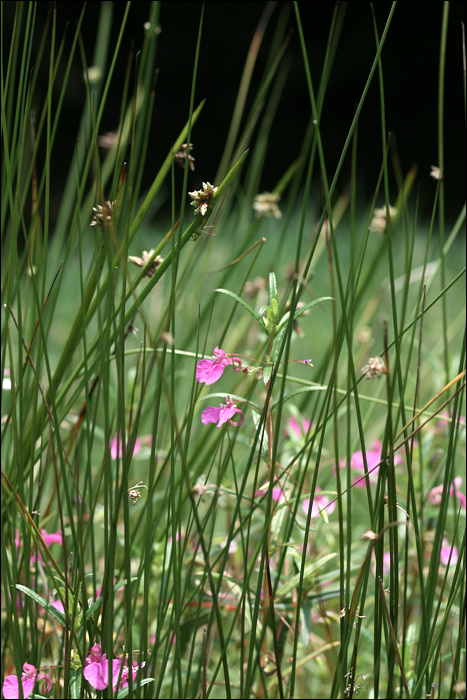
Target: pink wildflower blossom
222 414
96 670
58 605
373 458
293 426
386 562
52 537
436 493
28 678
49 538
445 418
320 502
126 672
116 447
209 371
277 492
446 553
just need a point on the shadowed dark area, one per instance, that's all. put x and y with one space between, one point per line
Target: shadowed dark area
410 65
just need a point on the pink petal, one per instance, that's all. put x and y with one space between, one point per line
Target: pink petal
116 663
97 674
53 537
210 415
11 688
58 605
208 372
446 553
225 413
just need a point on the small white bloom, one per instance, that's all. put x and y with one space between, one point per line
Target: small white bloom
201 198
102 214
181 156
94 74
143 261
266 205
379 222
374 368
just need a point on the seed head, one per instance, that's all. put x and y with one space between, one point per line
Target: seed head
180 157
375 367
102 214
266 205
201 198
143 260
379 222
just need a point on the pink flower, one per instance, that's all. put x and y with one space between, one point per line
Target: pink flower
224 413
436 493
386 562
126 673
373 458
116 447
445 418
209 371
28 678
58 605
51 538
96 670
277 492
293 426
320 502
446 553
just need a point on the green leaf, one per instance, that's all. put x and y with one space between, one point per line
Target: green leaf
267 371
125 691
305 621
302 310
309 570
274 307
97 603
273 295
75 682
240 301
287 397
42 601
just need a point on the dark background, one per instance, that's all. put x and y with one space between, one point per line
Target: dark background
410 64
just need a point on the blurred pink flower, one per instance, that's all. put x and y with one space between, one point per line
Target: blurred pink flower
295 427
373 458
436 493
223 413
49 538
446 552
209 371
28 678
445 418
52 537
277 492
116 447
58 605
320 502
386 562
126 672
